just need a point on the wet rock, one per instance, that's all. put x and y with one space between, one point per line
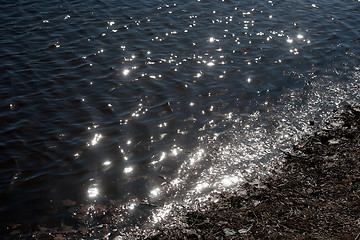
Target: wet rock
334 141
229 232
222 223
189 232
244 230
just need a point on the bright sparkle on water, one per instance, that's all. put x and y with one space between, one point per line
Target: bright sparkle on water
155 192
201 186
132 206
107 163
96 139
128 169
162 157
126 72
93 192
228 181
192 105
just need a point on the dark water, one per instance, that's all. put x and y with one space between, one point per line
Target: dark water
161 102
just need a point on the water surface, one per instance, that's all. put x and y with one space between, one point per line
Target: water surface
144 106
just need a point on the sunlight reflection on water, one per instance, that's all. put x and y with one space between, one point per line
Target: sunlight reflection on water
145 109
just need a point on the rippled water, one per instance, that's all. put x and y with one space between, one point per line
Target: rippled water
139 104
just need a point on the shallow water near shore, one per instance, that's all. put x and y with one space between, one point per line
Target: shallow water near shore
141 107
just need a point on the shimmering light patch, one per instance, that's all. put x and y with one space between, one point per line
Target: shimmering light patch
197 156
162 157
93 192
155 192
126 72
225 143
210 64
96 139
201 186
228 181
198 74
107 163
175 182
294 51
211 39
175 150
128 169
93 126
132 206
164 124
162 213
163 135
289 40
299 36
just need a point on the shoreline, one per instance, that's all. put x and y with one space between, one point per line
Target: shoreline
314 195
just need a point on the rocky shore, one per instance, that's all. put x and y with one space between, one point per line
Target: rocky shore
315 195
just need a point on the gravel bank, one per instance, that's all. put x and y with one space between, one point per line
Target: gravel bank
315 195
